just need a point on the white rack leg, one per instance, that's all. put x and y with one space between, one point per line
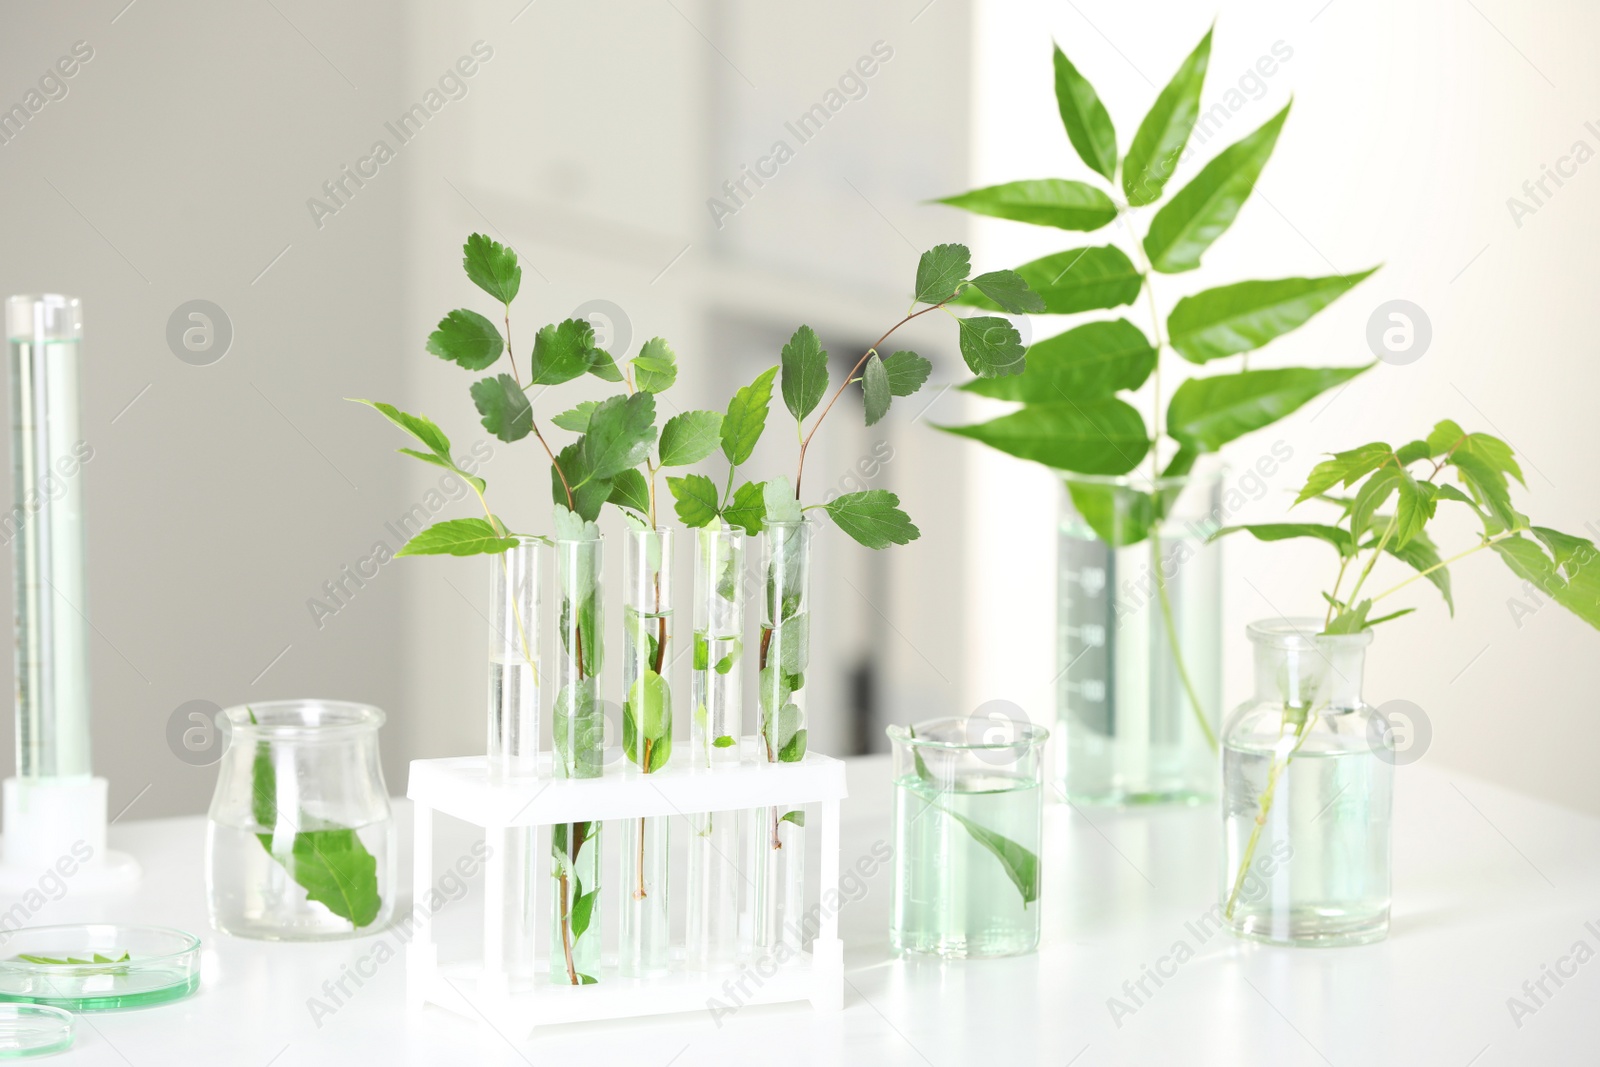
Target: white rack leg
494 912
827 951
421 954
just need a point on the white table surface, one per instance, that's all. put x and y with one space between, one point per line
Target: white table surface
1490 887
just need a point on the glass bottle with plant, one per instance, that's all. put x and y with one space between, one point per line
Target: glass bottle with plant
1308 765
991 348
1138 611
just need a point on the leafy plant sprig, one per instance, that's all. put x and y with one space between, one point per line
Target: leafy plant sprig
1472 470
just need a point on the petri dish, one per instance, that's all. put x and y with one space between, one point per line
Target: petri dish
33 1030
97 966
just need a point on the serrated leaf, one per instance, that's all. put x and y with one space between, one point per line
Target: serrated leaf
1009 291
1345 467
991 346
1415 508
603 365
589 490
805 372
1422 555
747 417
468 339
1085 118
940 272
1160 140
748 509
630 490
1207 413
562 352
459 537
694 498
492 267
1575 584
1284 531
656 366
1372 495
875 393
649 702
424 430
689 437
1090 362
577 419
1079 279
1445 435
1202 210
1244 316
621 431
907 372
1104 436
504 407
1066 205
873 517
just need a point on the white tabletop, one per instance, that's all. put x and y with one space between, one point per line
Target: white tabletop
1490 888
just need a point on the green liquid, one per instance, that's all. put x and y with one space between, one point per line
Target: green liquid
1320 870
952 896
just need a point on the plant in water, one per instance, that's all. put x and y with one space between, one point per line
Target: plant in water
575 905
1075 415
329 862
1469 470
1019 863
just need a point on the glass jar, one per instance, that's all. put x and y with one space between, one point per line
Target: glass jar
300 839
1308 794
1135 580
968 807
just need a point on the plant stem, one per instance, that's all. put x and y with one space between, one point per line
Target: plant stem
1172 640
806 441
1446 562
566 931
1264 808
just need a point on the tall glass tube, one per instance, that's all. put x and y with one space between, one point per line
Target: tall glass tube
577 729
783 657
715 730
513 727
647 741
46 527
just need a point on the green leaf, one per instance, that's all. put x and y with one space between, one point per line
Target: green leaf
1243 317
1090 362
1200 212
468 339
1079 279
604 366
1021 865
1284 531
702 652
790 647
589 490
424 430
725 741
1421 554
797 817
779 502
1042 201
577 419
582 916
875 394
562 352
940 272
747 417
630 490
621 431
748 509
729 658
1207 413
458 537
1009 291
991 346
336 871
650 703
794 749
1350 620
690 437
1572 579
1104 436
1118 514
492 267
1488 486
873 517
1346 467
1416 507
805 372
1444 437
656 366
1160 140
694 498
907 372
1085 118
504 407
1372 495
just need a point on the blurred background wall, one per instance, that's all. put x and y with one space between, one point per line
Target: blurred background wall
180 162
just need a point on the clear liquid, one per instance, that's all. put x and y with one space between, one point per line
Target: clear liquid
716 729
1320 871
45 530
714 884
252 894
1127 731
513 717
645 923
952 896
